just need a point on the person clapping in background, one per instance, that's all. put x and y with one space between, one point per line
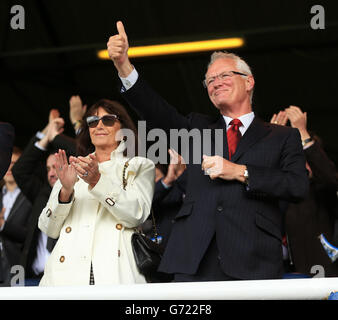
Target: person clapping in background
315 215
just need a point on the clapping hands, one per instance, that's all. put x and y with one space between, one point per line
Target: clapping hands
68 172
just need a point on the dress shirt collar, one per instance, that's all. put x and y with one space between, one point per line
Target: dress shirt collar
246 120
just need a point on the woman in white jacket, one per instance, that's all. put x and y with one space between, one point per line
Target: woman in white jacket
90 211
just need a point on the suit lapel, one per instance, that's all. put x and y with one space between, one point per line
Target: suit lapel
18 202
256 131
219 145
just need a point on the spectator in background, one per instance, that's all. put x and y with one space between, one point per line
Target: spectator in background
306 220
168 195
76 112
6 145
35 174
15 212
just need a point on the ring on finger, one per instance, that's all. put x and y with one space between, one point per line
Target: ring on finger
85 174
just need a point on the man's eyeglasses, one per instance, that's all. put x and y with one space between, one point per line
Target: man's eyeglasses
108 120
222 76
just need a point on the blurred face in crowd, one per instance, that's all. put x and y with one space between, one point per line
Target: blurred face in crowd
8 178
51 170
103 136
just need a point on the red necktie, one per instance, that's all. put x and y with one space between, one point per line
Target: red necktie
233 135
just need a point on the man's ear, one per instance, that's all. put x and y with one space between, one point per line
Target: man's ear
250 82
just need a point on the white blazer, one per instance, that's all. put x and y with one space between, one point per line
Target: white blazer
96 226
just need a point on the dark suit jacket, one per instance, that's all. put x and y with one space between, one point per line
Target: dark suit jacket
166 204
31 176
14 234
247 223
6 145
306 220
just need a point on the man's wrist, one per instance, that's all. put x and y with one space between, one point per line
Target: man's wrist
129 80
243 174
166 182
125 69
304 134
77 124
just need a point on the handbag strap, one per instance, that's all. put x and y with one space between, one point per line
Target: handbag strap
124 183
154 226
124 180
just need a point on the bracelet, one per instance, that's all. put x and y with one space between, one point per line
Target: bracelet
76 123
304 142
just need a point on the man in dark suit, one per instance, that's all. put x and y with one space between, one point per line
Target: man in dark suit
168 195
315 215
15 211
229 226
6 145
36 183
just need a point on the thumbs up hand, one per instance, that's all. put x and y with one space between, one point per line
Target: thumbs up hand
117 47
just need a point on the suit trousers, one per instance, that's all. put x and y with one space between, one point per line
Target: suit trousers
209 268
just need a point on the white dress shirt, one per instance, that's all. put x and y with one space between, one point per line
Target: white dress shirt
246 120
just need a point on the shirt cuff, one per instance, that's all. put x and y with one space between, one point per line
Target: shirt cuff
165 185
129 81
36 144
39 135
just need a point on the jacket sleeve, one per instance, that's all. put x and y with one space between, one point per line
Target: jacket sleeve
290 181
323 169
130 206
149 105
160 192
30 170
55 213
64 142
6 145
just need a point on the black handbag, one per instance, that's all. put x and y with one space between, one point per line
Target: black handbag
147 252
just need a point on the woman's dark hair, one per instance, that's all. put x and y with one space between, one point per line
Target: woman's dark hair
84 144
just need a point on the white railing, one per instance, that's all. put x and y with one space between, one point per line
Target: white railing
286 289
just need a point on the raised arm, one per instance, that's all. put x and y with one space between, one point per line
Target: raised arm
118 46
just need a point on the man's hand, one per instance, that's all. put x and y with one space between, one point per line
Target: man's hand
218 167
176 167
76 110
298 120
53 114
117 47
54 128
279 118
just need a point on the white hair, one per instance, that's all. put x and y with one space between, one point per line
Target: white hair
241 65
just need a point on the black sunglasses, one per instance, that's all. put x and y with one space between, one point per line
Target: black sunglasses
108 120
